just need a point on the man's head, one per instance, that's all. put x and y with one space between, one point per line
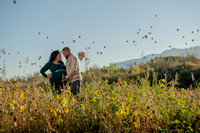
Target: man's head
66 52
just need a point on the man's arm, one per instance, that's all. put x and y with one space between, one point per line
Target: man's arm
72 69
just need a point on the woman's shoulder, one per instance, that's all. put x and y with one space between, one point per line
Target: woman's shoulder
49 63
61 62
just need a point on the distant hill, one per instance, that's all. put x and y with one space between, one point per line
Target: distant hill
171 52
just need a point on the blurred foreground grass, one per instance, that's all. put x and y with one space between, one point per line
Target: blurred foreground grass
117 107
127 105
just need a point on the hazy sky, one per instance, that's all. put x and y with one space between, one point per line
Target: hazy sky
108 23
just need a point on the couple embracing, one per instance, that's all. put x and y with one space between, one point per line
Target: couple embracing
61 73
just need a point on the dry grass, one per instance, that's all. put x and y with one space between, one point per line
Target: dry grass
125 106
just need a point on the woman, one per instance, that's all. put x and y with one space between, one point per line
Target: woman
58 69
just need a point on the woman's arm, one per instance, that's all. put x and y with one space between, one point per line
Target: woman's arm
45 68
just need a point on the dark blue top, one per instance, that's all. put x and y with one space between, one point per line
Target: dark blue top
57 70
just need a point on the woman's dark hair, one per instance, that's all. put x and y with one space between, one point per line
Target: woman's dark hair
53 56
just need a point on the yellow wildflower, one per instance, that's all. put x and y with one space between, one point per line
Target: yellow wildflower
54 112
57 97
106 81
40 87
73 100
95 116
64 101
17 105
161 85
16 85
125 83
9 98
22 107
22 95
61 90
123 112
11 104
163 80
136 113
66 110
117 113
68 87
42 90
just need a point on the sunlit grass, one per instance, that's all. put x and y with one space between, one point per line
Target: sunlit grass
124 106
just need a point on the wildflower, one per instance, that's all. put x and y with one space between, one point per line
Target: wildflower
96 93
182 89
22 95
14 94
17 105
66 110
135 124
177 121
161 85
16 85
61 90
15 124
11 104
117 113
68 88
26 109
42 90
94 99
40 87
125 83
31 119
136 113
9 98
163 80
22 107
123 112
57 97
148 127
64 101
106 81
28 87
54 112
95 116
73 100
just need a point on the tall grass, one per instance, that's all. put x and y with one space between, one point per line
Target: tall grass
123 106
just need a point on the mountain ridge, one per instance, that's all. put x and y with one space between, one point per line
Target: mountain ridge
170 52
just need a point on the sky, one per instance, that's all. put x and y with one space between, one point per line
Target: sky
109 23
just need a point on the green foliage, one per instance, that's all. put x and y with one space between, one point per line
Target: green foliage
164 67
114 100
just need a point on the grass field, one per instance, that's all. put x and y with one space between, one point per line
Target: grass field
118 107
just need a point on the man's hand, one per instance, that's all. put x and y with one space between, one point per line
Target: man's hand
64 79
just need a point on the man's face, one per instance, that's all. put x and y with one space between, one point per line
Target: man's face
65 53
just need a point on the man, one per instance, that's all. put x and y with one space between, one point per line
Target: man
73 71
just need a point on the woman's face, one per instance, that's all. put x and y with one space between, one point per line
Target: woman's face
58 57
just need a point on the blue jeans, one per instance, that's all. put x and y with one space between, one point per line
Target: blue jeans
75 87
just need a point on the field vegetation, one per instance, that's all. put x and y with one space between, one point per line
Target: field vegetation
162 95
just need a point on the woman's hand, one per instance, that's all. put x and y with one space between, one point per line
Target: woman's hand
49 76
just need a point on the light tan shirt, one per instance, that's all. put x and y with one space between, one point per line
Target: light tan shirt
73 69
